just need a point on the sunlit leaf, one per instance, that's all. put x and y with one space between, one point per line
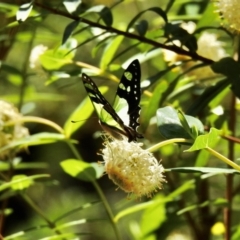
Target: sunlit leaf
206 140
149 109
110 51
79 169
80 114
55 59
157 212
21 182
71 5
204 170
24 11
35 139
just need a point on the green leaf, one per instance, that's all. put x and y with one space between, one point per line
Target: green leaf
24 11
71 5
157 10
149 109
208 95
99 169
218 202
176 32
79 169
184 123
153 217
68 30
227 66
4 166
170 126
205 141
142 27
80 114
55 59
104 12
203 170
110 51
35 139
21 182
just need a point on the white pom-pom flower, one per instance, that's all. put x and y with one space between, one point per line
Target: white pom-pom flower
132 168
10 133
229 10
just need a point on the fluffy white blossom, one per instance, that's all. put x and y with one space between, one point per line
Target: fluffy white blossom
208 46
132 168
36 52
229 9
9 133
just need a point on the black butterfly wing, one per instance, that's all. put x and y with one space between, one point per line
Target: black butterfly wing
122 118
128 97
108 117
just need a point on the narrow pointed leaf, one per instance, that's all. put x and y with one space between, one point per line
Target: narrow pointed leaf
68 30
80 114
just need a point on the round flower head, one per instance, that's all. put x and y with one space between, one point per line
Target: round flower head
9 133
229 10
132 168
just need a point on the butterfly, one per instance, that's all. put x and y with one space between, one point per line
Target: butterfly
121 119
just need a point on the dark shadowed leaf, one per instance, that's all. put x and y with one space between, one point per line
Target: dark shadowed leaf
170 125
208 95
68 30
227 66
104 12
142 27
230 68
157 10
176 32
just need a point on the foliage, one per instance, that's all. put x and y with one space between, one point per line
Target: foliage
53 184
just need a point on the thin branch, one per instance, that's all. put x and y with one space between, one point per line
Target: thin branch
141 39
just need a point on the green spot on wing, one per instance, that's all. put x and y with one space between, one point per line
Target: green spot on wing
128 75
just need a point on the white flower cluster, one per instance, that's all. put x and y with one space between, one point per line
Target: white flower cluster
9 133
36 52
132 168
208 46
230 9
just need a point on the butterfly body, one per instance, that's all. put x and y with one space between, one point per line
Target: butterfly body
121 119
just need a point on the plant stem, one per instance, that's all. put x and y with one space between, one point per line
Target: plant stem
40 212
101 195
167 142
224 159
108 209
127 34
36 120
